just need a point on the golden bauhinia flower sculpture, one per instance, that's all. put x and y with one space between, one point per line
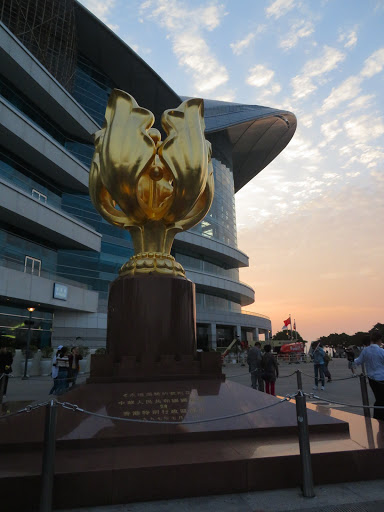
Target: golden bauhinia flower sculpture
152 188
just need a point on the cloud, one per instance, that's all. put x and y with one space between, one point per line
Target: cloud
374 64
260 76
369 157
347 90
349 39
330 131
378 175
361 102
301 148
306 120
298 31
351 87
313 70
364 128
185 27
279 8
240 46
193 53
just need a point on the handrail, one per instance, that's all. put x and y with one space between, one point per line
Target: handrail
245 312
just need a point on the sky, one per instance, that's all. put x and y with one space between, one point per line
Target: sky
312 221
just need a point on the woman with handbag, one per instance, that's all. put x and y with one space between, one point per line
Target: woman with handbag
270 370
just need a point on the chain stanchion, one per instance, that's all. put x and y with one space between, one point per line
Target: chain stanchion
364 395
299 380
48 467
305 449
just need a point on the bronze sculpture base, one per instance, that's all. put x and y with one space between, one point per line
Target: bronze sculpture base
152 333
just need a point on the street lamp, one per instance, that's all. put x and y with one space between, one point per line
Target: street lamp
31 310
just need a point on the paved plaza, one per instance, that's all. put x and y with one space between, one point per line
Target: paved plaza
347 497
346 391
350 497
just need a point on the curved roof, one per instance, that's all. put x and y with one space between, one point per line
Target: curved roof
256 134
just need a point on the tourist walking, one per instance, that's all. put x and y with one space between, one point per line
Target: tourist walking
55 371
62 364
318 354
373 358
6 360
74 359
350 353
327 359
254 359
270 370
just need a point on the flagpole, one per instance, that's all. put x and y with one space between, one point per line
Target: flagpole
294 321
290 321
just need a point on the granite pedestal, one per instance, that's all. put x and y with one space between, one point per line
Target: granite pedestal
104 461
151 333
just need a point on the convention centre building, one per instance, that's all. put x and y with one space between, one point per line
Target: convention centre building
58 65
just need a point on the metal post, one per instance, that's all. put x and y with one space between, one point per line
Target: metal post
364 395
27 349
299 381
48 467
305 449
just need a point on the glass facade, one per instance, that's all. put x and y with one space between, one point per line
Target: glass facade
220 222
25 177
14 326
22 251
91 89
198 263
210 302
81 150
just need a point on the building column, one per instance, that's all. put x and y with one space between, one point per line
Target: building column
256 334
212 341
266 334
238 331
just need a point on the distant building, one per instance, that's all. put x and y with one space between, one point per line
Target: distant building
58 65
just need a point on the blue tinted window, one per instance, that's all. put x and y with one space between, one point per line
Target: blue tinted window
82 150
23 176
91 88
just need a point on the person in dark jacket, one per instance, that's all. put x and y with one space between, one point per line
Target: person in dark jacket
270 370
74 365
6 360
254 363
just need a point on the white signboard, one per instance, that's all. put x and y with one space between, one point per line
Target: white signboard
60 291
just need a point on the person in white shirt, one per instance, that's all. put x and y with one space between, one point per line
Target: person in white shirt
373 358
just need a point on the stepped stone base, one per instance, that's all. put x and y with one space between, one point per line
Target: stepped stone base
105 461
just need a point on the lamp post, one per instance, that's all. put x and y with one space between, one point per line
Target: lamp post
31 310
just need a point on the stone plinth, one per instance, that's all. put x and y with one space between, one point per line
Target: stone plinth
152 333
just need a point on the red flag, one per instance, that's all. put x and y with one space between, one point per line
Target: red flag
287 321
